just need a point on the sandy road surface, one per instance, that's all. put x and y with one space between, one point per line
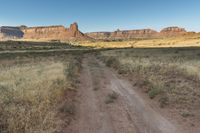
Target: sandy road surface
128 114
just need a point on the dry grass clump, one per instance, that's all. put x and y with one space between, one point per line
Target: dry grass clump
111 98
171 76
29 95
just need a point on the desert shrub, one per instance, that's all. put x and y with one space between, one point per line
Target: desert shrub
68 109
164 100
112 62
186 114
154 91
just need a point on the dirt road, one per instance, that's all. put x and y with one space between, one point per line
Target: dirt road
127 112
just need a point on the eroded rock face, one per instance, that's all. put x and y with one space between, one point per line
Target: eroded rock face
126 34
74 27
54 33
173 30
7 33
51 32
99 35
72 33
143 33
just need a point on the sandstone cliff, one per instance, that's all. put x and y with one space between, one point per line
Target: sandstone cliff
73 33
131 34
54 33
125 34
173 31
7 33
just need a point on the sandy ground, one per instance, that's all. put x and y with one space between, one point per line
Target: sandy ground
129 113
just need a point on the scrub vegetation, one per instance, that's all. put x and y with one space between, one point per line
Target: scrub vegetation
171 76
35 92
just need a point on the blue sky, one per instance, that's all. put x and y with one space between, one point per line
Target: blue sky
102 15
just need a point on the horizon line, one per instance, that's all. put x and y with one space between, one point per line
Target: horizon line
120 29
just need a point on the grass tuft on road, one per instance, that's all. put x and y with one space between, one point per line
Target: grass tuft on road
111 98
